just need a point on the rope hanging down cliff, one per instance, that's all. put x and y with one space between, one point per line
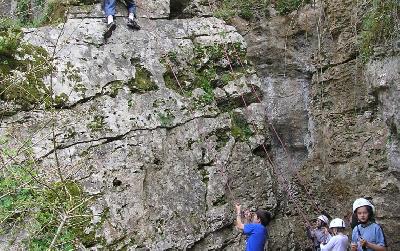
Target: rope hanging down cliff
286 185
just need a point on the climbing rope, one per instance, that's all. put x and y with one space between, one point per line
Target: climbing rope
284 183
287 184
254 92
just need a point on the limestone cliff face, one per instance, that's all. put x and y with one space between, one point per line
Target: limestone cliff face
337 115
164 127
155 123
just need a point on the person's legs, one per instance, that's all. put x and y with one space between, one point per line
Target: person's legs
132 14
131 8
109 7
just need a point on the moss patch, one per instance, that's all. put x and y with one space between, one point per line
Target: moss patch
246 9
22 69
166 118
223 136
219 201
239 127
285 7
209 68
97 123
142 82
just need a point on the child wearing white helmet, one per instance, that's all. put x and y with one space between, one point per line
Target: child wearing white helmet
318 234
367 235
339 242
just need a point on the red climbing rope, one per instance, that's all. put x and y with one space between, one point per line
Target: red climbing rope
302 181
286 185
282 180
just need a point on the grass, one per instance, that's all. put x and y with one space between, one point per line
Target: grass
378 26
246 9
16 56
30 204
285 7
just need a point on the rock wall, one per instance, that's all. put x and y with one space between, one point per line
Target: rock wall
155 123
163 126
336 114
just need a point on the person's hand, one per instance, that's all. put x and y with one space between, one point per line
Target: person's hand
238 208
247 214
353 246
364 243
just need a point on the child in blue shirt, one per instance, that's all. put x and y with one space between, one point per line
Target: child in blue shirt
256 231
367 235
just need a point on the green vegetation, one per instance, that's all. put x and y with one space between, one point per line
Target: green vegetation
223 136
47 12
32 205
166 118
379 26
246 9
220 200
239 127
285 7
16 57
51 12
208 69
142 81
255 9
97 124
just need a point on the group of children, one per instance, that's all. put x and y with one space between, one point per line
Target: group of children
367 235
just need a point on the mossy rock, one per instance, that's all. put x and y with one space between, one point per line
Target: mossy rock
239 127
285 7
22 69
230 103
142 82
223 136
246 9
97 123
207 69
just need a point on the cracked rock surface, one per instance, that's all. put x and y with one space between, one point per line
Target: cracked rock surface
164 162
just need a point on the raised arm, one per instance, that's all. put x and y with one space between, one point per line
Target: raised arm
239 223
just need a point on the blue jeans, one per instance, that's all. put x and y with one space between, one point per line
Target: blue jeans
109 7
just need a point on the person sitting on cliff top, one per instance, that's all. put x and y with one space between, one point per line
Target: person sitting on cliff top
109 9
318 234
256 231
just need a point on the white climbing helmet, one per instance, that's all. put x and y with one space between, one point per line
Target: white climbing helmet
362 202
324 219
337 223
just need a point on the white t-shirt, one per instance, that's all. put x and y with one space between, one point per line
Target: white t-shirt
338 242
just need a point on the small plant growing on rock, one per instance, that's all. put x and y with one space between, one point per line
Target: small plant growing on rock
246 9
49 213
379 26
285 7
